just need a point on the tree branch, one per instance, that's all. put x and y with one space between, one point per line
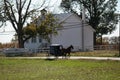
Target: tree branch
25 16
23 3
7 12
17 5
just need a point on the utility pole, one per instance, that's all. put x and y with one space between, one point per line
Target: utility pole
119 32
83 22
118 16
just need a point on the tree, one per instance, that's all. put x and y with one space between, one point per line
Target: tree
43 26
18 12
0 45
114 40
99 13
2 19
49 26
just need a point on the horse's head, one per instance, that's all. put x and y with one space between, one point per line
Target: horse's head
71 46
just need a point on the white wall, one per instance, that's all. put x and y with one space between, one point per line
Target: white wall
88 38
71 33
68 37
34 45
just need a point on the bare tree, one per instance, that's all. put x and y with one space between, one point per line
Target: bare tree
17 12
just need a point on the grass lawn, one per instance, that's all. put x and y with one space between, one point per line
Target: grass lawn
36 69
98 53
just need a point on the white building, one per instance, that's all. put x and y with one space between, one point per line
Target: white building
74 32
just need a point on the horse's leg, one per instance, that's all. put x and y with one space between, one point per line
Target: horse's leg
62 54
65 55
56 57
69 54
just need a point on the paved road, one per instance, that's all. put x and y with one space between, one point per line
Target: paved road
72 57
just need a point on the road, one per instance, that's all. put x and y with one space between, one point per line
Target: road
72 57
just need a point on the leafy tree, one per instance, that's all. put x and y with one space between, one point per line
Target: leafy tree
114 40
99 13
43 26
103 41
49 26
29 31
18 12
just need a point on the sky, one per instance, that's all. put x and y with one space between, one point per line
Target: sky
7 32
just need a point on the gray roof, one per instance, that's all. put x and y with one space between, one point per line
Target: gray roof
63 16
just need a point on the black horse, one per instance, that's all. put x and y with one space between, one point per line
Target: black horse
67 51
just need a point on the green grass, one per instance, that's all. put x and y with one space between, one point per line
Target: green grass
24 69
98 53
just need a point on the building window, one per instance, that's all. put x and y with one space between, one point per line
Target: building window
40 40
33 40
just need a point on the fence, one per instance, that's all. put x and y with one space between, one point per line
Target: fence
39 50
76 48
106 47
46 50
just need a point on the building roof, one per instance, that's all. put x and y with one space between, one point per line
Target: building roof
64 16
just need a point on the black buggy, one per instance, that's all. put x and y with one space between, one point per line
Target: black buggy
56 50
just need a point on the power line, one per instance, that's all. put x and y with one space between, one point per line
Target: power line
7 31
72 26
4 34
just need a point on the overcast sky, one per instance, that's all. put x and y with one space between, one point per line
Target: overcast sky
5 37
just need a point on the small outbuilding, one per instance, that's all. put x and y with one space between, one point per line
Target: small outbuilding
74 32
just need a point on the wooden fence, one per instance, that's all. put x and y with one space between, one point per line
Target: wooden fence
106 47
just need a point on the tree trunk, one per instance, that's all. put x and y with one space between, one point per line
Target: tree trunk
20 41
20 37
94 38
101 41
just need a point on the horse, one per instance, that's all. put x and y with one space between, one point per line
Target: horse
67 51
